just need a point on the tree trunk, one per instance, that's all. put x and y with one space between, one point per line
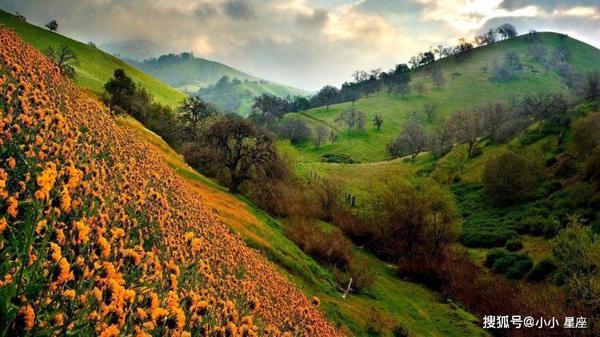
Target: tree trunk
234 185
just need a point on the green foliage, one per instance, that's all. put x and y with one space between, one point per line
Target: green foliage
462 93
337 158
541 270
487 238
507 178
512 265
513 245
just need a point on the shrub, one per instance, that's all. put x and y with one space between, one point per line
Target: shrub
541 270
507 178
513 245
512 265
534 224
519 269
551 229
330 247
484 238
337 158
494 255
359 271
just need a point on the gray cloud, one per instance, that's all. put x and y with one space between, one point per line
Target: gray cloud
547 4
239 9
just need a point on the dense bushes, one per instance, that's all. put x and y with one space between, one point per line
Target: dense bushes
507 178
406 221
332 248
541 270
513 265
337 158
513 245
479 237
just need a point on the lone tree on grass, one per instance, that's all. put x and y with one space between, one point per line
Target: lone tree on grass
320 135
378 122
352 117
52 26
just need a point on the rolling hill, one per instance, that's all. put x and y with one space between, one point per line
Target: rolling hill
187 72
172 213
94 243
95 66
468 85
199 76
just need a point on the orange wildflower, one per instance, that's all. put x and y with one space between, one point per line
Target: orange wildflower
46 181
26 317
12 206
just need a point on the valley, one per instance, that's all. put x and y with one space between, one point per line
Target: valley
180 196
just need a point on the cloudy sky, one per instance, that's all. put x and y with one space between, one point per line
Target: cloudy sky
305 43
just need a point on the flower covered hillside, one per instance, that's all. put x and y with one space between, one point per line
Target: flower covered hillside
99 237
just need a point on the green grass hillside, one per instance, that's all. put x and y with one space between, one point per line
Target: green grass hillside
468 87
238 96
187 72
95 66
196 75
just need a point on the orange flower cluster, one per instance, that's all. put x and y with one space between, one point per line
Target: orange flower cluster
99 237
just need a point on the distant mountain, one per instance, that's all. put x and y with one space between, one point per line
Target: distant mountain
133 49
228 88
95 66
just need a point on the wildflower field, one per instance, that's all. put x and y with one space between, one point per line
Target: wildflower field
99 237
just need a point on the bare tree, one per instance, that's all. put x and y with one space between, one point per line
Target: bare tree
439 50
429 110
438 78
332 136
412 141
352 117
467 127
420 88
319 136
441 139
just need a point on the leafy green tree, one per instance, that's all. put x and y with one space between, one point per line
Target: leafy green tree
193 111
239 150
377 122
119 91
52 26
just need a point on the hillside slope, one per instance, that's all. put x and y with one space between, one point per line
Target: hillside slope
238 96
100 237
187 72
407 304
467 84
199 76
95 66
